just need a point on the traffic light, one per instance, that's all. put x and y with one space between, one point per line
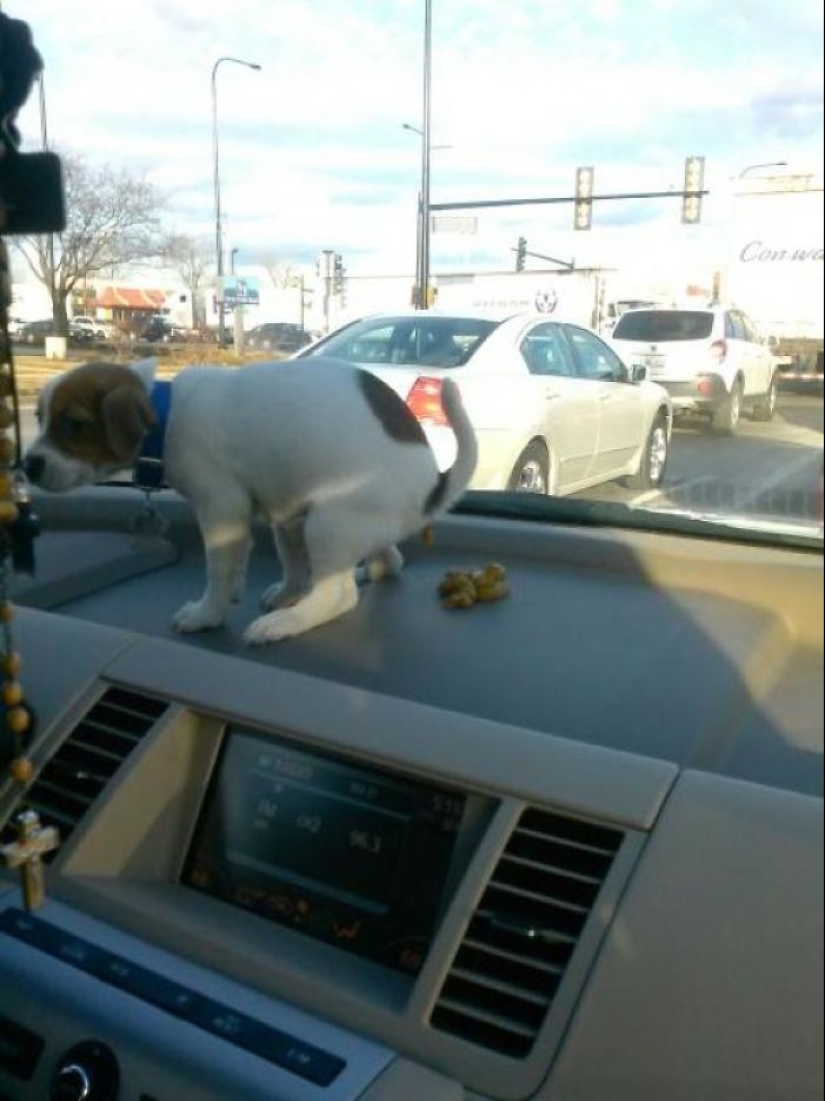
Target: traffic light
583 214
694 184
338 273
521 253
432 296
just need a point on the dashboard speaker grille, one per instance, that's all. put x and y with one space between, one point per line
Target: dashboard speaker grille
88 758
522 935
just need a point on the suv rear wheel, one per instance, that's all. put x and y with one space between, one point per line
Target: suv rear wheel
728 413
765 408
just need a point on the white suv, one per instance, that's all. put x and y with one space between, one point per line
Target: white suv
711 361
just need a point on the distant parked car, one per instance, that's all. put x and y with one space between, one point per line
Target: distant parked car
277 336
711 361
88 327
160 330
35 332
554 407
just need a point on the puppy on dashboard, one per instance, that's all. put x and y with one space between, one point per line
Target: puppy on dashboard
330 455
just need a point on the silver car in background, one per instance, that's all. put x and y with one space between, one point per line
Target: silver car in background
555 409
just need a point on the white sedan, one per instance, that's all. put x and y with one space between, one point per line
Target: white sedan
554 408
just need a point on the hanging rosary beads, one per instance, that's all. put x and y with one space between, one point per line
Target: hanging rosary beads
16 715
31 202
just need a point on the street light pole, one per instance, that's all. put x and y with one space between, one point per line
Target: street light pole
420 221
216 171
419 227
754 167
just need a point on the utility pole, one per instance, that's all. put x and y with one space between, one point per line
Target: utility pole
326 275
426 150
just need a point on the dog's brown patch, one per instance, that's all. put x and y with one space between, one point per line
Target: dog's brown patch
99 413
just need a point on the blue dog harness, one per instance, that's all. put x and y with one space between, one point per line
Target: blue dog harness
148 471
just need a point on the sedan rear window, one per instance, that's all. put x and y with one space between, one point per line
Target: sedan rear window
427 340
664 325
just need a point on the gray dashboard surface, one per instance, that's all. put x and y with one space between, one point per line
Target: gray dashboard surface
601 657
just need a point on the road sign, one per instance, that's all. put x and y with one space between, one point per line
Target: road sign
237 290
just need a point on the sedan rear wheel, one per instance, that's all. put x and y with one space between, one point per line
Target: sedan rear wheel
531 474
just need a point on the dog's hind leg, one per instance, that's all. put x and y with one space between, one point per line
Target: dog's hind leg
226 538
328 599
387 563
335 536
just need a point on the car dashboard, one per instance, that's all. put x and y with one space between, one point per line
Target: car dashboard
566 846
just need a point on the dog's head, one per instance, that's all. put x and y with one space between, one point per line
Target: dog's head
93 420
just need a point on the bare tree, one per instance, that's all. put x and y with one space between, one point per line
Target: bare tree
112 221
282 274
191 260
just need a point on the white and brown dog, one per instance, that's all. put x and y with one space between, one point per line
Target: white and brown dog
331 456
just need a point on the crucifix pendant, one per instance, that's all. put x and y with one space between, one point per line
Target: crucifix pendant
27 852
33 883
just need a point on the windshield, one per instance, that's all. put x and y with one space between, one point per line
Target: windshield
255 183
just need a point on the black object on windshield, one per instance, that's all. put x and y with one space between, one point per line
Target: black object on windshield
31 184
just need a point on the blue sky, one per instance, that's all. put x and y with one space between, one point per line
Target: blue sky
314 154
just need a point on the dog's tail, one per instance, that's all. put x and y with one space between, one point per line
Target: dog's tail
452 483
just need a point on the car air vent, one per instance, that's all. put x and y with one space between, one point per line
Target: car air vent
522 935
89 757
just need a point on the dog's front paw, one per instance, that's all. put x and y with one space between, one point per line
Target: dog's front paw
196 616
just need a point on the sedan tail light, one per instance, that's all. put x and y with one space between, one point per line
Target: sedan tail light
719 351
424 399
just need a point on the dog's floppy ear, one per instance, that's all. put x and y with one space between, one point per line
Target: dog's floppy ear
127 417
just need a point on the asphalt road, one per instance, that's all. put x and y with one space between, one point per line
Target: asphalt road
767 470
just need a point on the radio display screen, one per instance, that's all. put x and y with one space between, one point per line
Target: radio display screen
352 855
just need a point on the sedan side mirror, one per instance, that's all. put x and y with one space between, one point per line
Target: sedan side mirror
638 373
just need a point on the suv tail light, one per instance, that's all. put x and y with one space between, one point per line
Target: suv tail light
424 399
719 351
